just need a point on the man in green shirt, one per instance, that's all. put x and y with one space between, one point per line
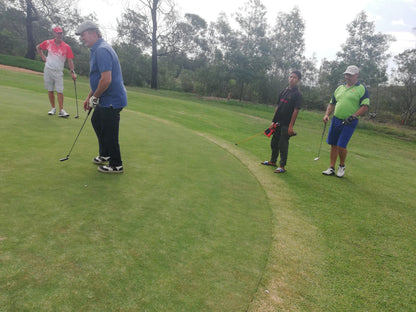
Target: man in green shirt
349 101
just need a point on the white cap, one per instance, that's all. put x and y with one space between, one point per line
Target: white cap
352 70
87 25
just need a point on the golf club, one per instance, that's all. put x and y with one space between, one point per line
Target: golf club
67 156
249 138
323 133
76 97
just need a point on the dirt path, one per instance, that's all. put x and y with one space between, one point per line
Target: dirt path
18 69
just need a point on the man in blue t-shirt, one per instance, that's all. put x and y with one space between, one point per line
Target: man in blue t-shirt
108 96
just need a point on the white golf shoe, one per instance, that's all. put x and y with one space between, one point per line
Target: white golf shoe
329 172
52 111
111 169
341 171
100 160
63 113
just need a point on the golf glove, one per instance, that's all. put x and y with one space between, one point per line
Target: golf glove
269 131
94 101
349 120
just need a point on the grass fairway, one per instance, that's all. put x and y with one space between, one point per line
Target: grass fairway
195 223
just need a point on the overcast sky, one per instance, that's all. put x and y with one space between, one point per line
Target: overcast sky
325 20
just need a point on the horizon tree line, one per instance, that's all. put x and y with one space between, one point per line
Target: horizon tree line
159 48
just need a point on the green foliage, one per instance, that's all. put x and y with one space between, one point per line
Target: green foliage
405 75
21 62
194 56
12 32
313 99
134 64
288 42
366 49
187 80
133 29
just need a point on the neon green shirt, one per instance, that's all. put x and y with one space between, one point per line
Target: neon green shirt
348 100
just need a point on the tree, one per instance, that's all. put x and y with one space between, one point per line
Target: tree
135 65
222 38
156 27
250 62
12 31
191 37
368 50
288 44
42 15
405 75
189 50
31 16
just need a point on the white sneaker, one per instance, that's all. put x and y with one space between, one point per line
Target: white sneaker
329 172
52 111
111 169
341 171
100 160
63 113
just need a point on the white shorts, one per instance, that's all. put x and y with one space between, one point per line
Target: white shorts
54 80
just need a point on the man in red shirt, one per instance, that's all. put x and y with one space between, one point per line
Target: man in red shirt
58 52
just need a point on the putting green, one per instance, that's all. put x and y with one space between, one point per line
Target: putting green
187 227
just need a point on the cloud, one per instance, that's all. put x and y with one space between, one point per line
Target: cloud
399 22
404 41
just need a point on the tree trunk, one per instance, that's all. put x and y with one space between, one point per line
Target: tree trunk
153 82
241 91
31 48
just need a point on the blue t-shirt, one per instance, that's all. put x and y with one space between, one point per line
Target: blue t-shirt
104 58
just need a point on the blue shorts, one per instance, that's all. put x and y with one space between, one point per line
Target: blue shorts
339 134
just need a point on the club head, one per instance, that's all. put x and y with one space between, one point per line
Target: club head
317 158
236 143
63 159
76 117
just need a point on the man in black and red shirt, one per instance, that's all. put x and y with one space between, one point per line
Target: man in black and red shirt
287 109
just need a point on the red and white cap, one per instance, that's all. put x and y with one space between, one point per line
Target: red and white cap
57 30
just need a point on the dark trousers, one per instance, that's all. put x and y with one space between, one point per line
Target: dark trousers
106 122
280 145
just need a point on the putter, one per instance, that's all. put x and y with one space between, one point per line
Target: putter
67 156
76 98
323 133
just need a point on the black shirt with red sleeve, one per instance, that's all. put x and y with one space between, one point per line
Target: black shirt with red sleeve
289 99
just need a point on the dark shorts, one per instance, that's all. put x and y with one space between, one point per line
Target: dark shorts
339 134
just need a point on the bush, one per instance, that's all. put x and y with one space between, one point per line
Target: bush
21 62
